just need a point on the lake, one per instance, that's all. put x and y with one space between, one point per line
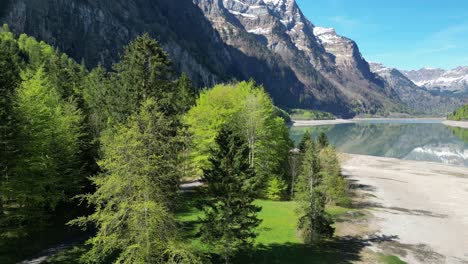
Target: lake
421 140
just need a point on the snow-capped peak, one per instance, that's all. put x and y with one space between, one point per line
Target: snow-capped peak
322 31
278 2
326 35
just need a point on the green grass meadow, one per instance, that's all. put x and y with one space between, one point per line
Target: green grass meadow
277 240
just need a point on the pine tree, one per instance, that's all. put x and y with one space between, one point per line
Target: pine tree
186 95
307 137
97 101
322 140
314 223
230 216
143 72
136 193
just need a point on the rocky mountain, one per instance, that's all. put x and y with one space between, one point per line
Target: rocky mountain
439 81
329 66
418 98
300 65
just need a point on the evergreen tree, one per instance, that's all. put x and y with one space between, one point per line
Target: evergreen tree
143 72
230 216
322 140
276 189
186 95
47 171
334 183
136 192
9 81
314 223
97 101
307 137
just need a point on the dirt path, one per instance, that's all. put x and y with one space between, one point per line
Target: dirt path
421 208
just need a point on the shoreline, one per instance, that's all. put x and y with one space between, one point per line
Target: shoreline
461 124
302 123
420 206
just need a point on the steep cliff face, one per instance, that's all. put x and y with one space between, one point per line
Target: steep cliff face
418 98
330 68
97 31
214 41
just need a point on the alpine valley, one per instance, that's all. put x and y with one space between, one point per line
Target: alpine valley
301 65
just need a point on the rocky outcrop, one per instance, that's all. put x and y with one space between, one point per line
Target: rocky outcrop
332 73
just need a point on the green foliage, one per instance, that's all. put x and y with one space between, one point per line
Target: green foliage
461 133
306 138
303 114
9 81
186 94
283 114
54 117
43 164
47 171
229 213
276 189
314 223
97 97
334 184
277 240
136 191
389 259
460 114
143 72
322 140
251 112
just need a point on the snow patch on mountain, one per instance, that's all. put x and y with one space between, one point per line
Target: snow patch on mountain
326 35
455 80
260 31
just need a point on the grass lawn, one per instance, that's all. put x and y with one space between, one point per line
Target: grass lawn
303 114
390 259
277 240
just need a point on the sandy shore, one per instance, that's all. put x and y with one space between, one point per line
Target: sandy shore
462 124
420 208
299 123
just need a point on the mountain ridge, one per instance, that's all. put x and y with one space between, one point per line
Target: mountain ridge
271 41
419 98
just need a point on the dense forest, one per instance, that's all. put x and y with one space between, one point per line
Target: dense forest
460 114
101 154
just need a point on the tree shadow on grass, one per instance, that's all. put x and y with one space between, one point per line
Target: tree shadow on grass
337 251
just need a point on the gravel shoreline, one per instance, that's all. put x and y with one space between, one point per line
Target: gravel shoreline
302 123
462 124
422 205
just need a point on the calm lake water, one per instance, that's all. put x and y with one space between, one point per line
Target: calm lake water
423 140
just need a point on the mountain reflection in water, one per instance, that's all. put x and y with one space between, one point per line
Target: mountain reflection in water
410 141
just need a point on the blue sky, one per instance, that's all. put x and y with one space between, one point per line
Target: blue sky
405 34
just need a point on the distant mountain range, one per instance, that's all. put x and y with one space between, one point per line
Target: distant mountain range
300 65
439 81
419 98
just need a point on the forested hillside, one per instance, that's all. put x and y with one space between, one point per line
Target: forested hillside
460 114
